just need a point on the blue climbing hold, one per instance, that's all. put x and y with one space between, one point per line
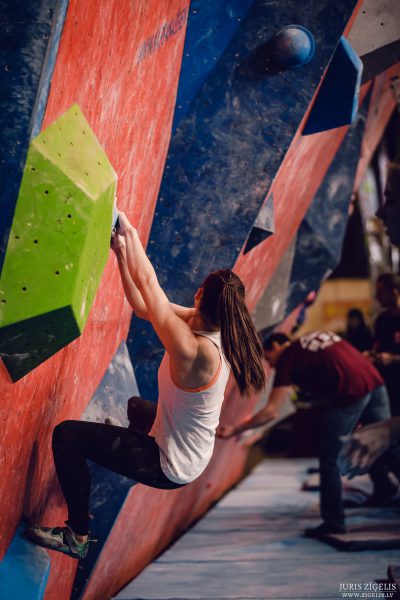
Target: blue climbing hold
292 47
337 101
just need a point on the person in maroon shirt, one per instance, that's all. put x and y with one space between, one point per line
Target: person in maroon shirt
350 387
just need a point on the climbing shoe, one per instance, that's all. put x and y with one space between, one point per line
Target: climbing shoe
61 539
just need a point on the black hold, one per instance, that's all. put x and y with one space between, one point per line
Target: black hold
263 227
257 235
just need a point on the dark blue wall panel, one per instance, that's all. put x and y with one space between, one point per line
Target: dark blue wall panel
210 28
226 152
320 236
29 37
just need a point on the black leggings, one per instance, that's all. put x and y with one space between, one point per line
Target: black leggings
126 451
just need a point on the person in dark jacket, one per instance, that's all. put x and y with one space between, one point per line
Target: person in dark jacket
357 333
386 354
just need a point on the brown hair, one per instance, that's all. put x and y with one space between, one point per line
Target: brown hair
278 337
223 305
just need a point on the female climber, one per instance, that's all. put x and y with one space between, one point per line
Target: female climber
171 445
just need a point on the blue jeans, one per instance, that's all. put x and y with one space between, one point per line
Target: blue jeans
342 421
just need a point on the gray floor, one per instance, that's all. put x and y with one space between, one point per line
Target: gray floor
249 547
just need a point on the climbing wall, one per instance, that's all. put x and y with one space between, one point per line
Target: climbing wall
121 66
230 188
211 194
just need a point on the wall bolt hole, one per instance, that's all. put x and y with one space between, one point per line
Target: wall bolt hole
46 192
24 289
35 241
69 216
57 273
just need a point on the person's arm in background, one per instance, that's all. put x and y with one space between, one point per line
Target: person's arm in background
132 293
361 449
268 413
386 358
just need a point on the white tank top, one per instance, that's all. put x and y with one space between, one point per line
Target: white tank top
186 419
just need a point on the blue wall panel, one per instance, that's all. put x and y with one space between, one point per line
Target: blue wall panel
225 154
29 37
24 569
320 236
210 28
